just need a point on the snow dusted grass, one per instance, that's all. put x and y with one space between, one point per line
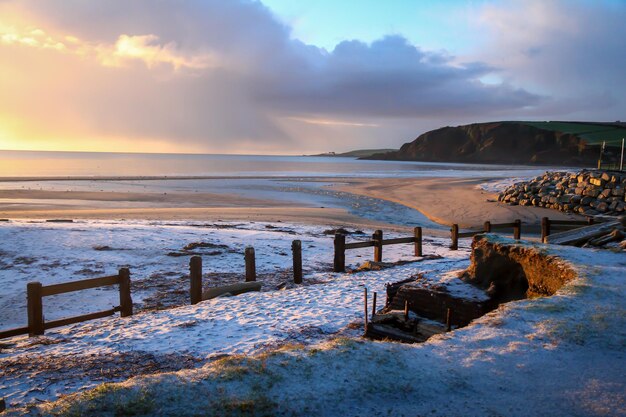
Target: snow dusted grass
556 356
64 360
57 252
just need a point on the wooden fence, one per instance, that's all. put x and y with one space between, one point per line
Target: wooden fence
195 269
487 228
547 225
377 241
35 293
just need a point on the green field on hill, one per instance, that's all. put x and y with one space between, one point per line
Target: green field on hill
594 133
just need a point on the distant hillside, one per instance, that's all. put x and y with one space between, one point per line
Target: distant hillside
359 153
540 143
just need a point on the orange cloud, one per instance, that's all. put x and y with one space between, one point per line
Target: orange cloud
127 48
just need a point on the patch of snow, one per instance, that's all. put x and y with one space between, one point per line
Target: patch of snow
499 185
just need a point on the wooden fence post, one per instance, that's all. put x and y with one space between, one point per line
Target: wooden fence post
340 253
378 247
195 278
455 237
35 309
417 232
449 320
126 302
517 230
296 248
487 227
250 264
545 229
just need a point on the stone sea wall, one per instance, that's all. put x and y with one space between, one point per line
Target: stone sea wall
588 192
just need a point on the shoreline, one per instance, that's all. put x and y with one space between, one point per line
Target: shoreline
442 200
451 200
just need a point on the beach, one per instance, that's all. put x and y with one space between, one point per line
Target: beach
443 201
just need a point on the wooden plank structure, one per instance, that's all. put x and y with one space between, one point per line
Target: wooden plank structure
233 289
35 292
581 234
488 227
548 225
377 242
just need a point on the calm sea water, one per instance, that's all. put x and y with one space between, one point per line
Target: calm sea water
277 178
67 164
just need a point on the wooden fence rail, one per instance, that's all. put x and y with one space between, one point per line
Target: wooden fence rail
35 292
377 241
195 270
488 227
548 225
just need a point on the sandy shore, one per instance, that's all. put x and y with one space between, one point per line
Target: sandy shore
443 200
450 200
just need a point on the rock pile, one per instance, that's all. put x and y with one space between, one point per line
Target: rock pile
589 192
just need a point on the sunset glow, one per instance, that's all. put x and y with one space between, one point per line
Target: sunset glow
258 77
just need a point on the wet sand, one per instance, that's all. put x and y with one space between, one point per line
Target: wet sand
450 200
443 200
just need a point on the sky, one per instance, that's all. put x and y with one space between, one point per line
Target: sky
287 77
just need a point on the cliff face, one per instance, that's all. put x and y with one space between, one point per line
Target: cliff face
499 142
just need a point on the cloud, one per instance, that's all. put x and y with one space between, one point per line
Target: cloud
226 75
126 49
572 50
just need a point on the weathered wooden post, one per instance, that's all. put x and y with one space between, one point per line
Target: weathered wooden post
195 278
545 229
417 233
374 306
449 320
250 264
455 237
340 253
126 302
487 227
517 229
378 247
406 310
296 249
35 309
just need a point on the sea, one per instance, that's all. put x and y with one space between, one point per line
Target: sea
300 180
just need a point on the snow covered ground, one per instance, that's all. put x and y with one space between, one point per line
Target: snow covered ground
154 252
244 324
563 355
